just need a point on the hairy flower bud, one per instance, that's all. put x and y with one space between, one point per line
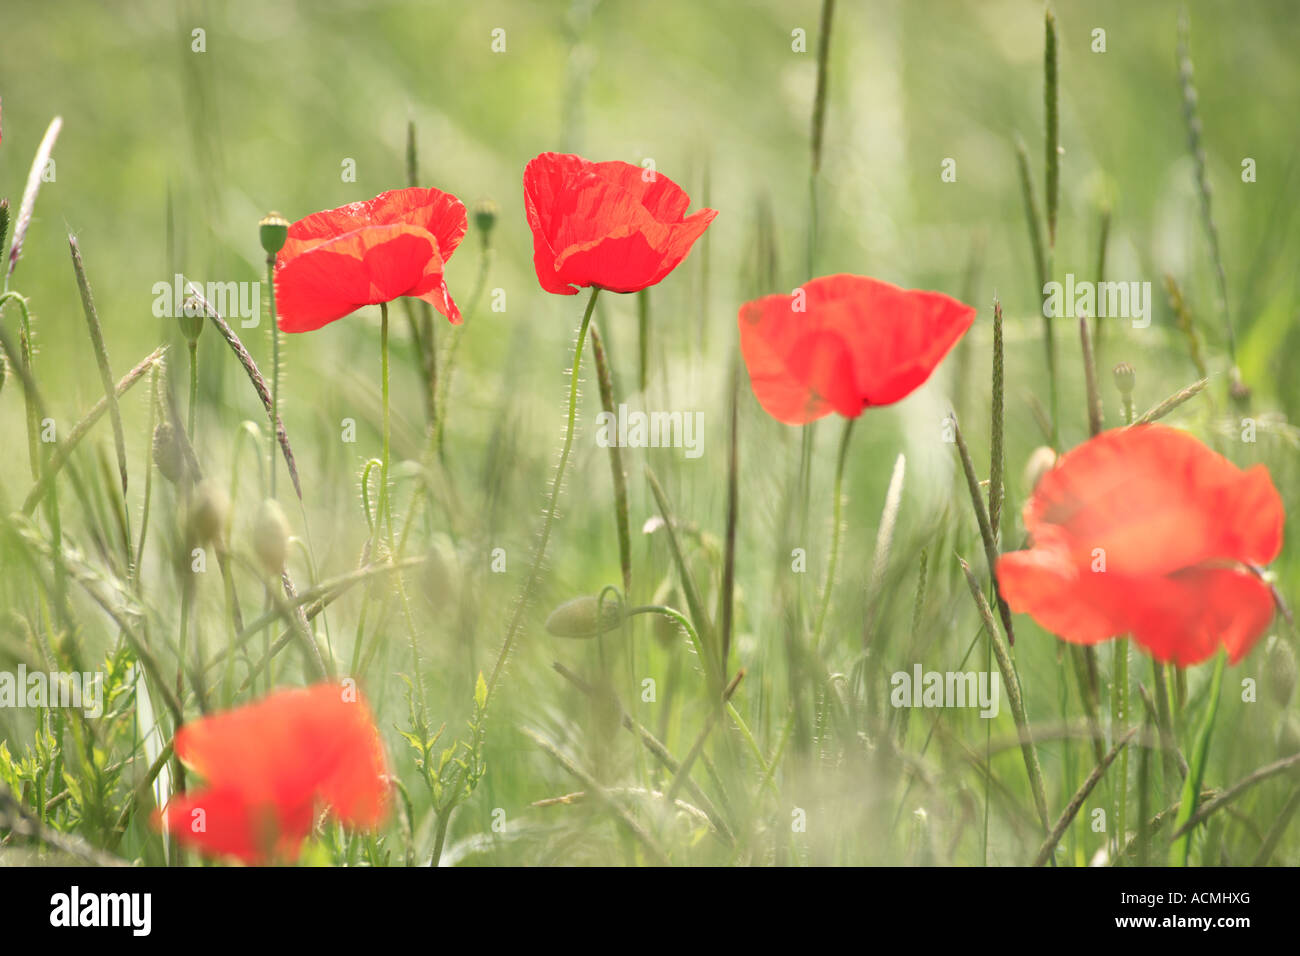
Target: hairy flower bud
1041 461
1280 675
585 617
208 510
271 536
167 452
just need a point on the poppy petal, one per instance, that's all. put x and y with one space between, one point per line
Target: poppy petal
1156 500
608 225
843 343
367 266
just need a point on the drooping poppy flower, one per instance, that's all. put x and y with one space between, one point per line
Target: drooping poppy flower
365 253
843 343
1145 531
610 225
268 767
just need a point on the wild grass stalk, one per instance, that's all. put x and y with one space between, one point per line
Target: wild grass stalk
1012 682
1077 801
1183 822
1203 188
101 360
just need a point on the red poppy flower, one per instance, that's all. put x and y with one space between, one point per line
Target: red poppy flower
1145 531
605 225
843 343
365 253
269 766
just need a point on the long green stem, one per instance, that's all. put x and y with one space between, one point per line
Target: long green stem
382 512
194 388
534 572
1196 772
275 369
837 509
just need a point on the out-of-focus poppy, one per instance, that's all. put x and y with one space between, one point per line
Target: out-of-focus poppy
843 343
1145 531
269 766
365 253
610 225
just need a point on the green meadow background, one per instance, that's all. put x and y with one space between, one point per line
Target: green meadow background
286 93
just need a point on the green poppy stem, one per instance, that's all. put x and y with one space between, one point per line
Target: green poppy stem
381 513
275 369
837 509
516 620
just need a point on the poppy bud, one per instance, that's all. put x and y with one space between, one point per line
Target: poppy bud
442 573
1238 390
665 629
1280 674
208 512
167 452
1041 461
485 216
1125 378
271 536
584 617
273 231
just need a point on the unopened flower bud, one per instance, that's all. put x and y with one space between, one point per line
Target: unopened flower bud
1280 677
1041 461
1288 737
208 511
666 631
167 452
585 617
274 232
271 536
442 574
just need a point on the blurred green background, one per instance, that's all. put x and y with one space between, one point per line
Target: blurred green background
285 94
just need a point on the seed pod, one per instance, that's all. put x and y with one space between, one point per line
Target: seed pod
1125 378
208 511
485 216
1041 461
582 617
191 318
1280 676
271 536
167 452
273 232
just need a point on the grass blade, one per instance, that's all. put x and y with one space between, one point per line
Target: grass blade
101 359
29 193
